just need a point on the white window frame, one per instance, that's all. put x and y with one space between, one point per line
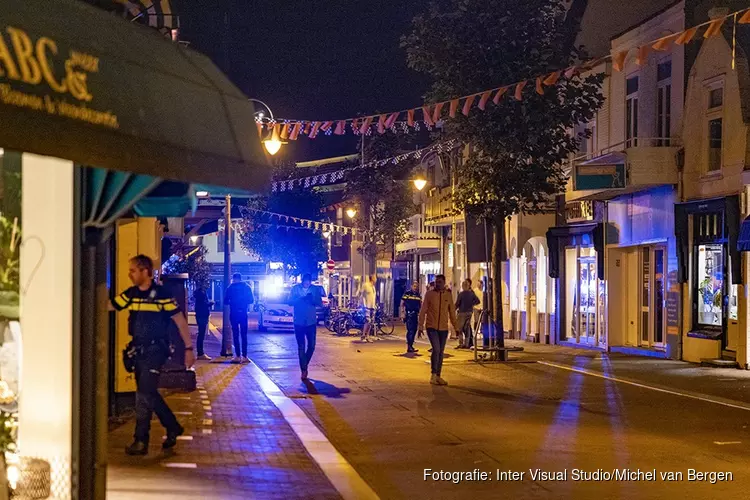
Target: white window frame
710 115
635 96
661 87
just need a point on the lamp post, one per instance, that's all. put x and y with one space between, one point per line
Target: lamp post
226 327
273 142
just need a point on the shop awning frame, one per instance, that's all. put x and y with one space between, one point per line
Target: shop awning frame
138 103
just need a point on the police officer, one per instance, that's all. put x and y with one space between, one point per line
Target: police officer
410 303
151 308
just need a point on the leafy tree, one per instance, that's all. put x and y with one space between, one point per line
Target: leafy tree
517 147
193 264
384 192
301 250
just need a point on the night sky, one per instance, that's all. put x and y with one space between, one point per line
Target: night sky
309 59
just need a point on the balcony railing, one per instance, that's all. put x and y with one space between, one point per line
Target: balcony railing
420 236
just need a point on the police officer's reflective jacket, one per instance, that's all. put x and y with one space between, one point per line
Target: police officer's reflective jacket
412 302
151 312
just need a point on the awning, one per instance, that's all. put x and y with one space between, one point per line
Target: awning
101 91
743 242
555 234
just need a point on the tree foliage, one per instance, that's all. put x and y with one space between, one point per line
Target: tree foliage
194 264
383 190
518 147
301 250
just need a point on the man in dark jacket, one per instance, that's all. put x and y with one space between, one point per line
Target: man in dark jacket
238 297
202 314
465 303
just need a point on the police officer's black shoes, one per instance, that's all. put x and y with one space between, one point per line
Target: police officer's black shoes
171 440
138 448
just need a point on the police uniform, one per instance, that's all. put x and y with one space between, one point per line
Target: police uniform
412 303
151 312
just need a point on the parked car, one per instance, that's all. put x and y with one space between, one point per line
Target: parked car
277 314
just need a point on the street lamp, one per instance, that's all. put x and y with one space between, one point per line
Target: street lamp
351 212
272 143
201 194
419 182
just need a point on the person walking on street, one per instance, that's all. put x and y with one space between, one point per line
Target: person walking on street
238 297
202 314
305 298
411 302
436 312
151 308
465 303
369 302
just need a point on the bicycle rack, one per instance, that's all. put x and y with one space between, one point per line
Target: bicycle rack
496 353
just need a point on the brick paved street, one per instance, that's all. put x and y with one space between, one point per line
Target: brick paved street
237 446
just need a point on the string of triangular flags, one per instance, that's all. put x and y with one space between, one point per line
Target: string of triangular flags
433 114
337 175
313 225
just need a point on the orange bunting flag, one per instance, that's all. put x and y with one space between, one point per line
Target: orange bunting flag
519 91
499 94
539 88
552 78
663 43
340 128
366 125
326 126
381 124
391 121
295 131
714 28
467 104
618 60
410 118
438 111
355 124
285 131
745 19
483 100
308 125
686 36
642 56
314 131
453 108
427 116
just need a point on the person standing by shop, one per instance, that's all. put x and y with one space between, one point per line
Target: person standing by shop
465 303
151 308
305 298
368 300
436 312
411 302
202 315
238 297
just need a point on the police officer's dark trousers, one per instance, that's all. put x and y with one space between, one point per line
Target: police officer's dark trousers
147 398
239 331
412 318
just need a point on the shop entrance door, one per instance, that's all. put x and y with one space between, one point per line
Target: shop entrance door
587 308
653 292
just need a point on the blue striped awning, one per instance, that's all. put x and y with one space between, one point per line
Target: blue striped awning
156 13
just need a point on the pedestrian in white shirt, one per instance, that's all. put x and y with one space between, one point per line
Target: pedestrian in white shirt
367 297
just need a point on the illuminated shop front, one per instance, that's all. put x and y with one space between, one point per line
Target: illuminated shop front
710 266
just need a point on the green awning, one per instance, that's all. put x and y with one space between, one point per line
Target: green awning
101 91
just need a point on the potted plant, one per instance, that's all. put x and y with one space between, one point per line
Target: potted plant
10 236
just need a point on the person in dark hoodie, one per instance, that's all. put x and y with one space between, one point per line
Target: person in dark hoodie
238 297
202 315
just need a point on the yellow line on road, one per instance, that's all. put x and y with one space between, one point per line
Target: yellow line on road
339 471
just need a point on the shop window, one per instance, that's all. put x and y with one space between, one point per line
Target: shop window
709 285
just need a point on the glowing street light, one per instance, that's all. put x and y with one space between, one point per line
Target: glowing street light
351 212
201 194
419 182
273 143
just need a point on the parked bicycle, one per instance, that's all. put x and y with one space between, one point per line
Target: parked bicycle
352 322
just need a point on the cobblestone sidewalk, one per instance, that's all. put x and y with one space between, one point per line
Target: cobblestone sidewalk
237 445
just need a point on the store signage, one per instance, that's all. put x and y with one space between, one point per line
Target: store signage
599 177
39 75
577 211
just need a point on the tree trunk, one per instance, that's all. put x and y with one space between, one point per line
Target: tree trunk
498 255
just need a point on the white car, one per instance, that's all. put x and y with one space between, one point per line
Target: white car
276 313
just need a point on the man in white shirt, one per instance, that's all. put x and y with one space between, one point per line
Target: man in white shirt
367 298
